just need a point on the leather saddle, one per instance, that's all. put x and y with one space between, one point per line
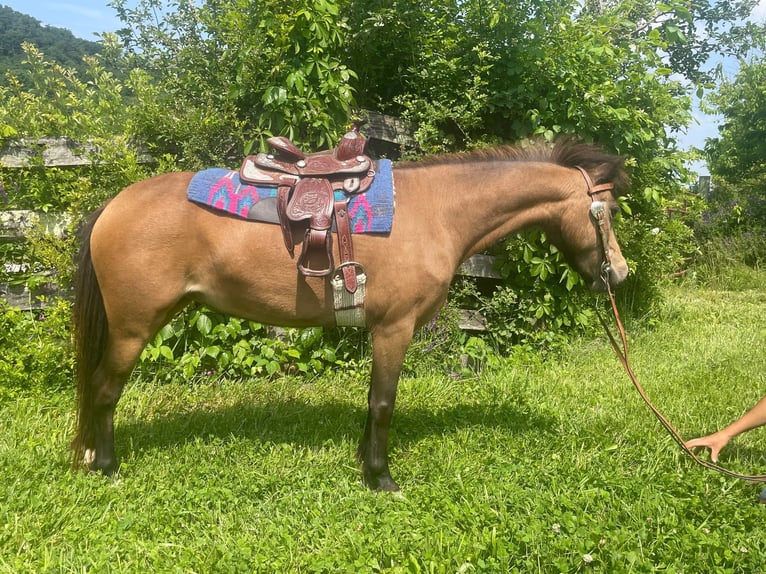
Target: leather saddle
306 185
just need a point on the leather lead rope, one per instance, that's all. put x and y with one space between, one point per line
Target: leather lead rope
622 355
598 212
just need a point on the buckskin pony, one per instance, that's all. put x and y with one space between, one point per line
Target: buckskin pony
149 252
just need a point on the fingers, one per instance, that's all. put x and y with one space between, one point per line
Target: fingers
696 442
714 442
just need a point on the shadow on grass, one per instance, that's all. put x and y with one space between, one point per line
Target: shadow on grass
311 425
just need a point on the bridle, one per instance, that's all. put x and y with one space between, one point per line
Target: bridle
602 221
601 218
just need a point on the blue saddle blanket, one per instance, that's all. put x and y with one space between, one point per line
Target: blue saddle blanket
369 212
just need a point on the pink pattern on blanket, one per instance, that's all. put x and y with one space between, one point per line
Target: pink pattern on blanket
225 195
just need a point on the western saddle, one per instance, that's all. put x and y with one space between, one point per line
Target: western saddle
306 185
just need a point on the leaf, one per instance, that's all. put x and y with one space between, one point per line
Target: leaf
213 351
652 194
624 205
166 352
166 333
204 324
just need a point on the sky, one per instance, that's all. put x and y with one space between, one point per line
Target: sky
85 18
82 17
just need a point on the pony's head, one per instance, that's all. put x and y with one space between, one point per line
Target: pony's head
585 233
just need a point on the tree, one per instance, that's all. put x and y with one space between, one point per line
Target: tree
223 76
60 45
737 158
739 152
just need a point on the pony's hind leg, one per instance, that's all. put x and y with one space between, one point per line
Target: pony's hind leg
127 287
104 391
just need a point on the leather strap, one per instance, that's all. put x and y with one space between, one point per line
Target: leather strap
594 189
622 355
345 246
283 194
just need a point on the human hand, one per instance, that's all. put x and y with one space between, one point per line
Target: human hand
715 442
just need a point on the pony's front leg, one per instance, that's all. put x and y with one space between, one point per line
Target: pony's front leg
388 349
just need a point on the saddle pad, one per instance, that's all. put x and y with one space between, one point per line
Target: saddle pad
369 212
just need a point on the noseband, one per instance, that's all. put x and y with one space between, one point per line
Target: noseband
601 219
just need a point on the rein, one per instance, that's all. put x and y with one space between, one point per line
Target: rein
598 211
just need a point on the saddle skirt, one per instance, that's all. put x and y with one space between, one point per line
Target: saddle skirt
223 190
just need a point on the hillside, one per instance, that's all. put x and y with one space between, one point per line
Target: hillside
58 44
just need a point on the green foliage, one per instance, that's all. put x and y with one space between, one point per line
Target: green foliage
538 302
203 342
220 78
735 262
739 153
440 347
736 157
733 230
60 102
35 350
91 113
477 72
620 74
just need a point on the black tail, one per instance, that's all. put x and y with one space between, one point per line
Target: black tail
91 330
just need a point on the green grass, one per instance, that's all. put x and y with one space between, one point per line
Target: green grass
547 466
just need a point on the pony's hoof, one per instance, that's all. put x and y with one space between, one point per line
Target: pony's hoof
387 484
95 466
381 482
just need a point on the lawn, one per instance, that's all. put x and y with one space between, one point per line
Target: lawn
546 465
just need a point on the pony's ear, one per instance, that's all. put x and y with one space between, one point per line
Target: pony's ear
602 173
610 172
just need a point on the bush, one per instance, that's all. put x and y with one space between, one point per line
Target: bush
200 341
732 236
36 349
732 263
